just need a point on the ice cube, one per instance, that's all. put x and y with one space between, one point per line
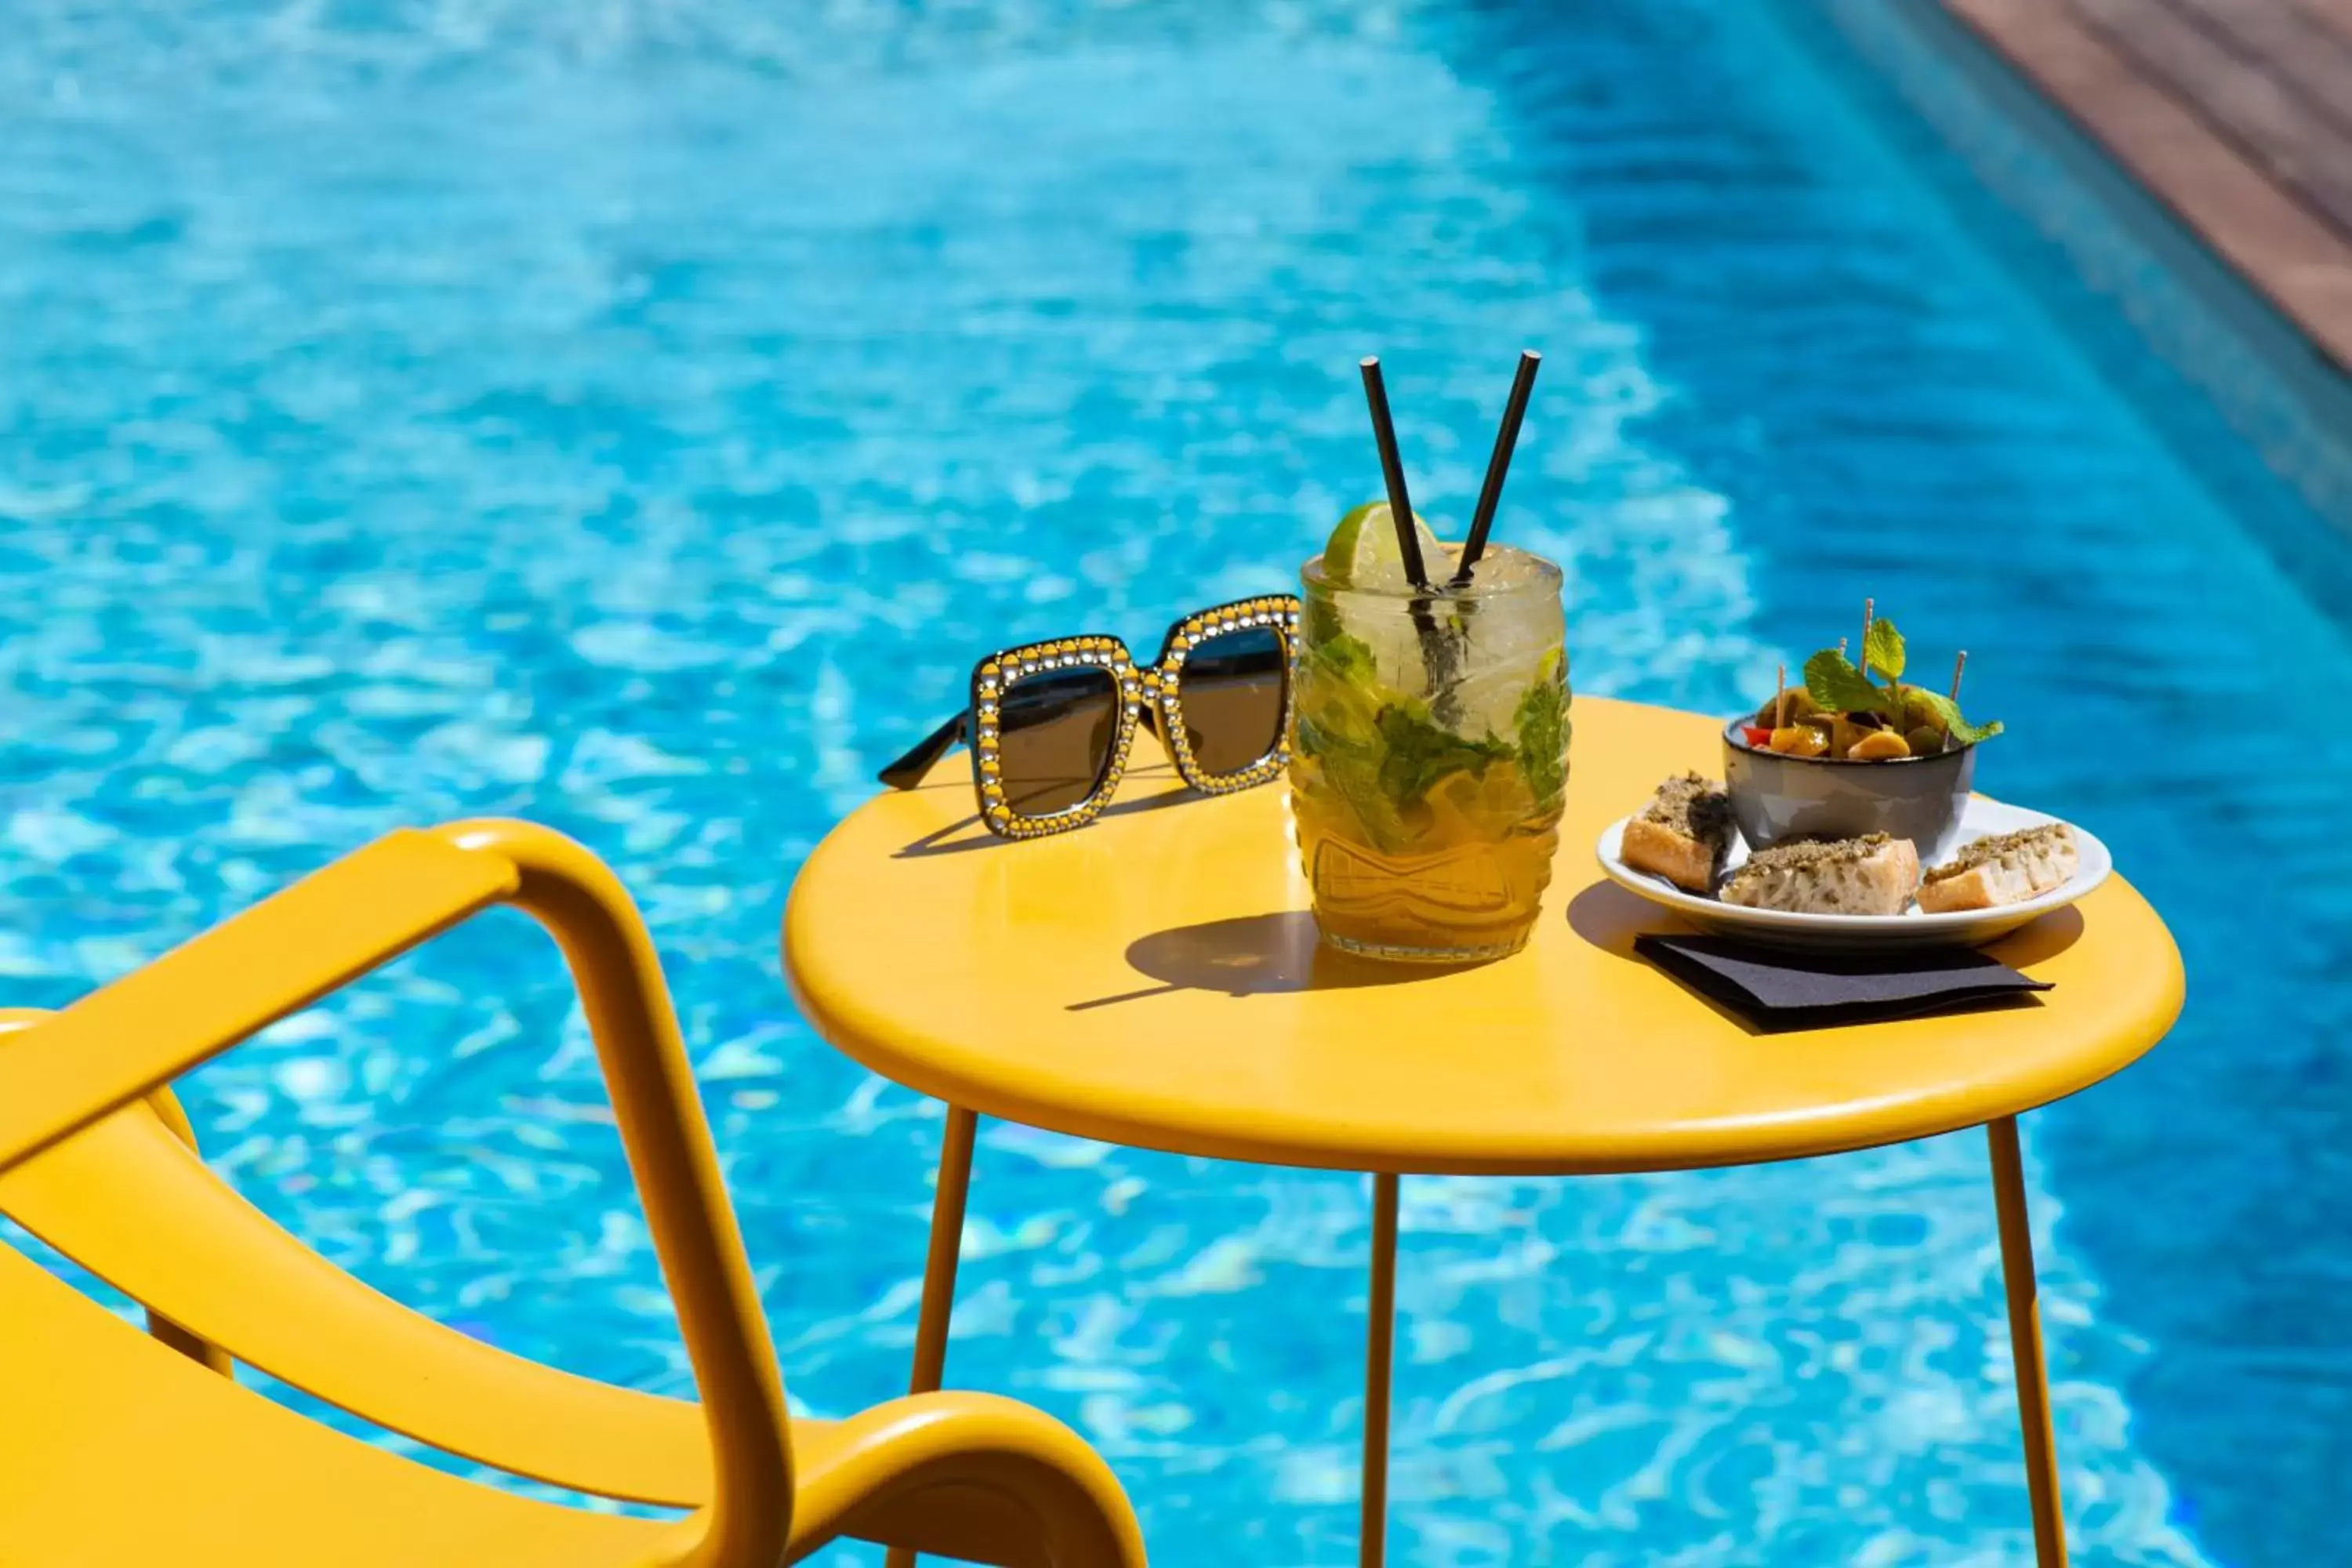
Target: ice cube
1507 634
1485 702
1398 654
1504 622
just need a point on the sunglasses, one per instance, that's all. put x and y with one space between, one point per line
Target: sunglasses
1050 722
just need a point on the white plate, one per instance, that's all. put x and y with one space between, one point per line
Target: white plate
1779 928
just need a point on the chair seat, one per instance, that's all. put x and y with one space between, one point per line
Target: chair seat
117 1450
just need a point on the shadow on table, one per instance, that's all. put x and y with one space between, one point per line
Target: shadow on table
1609 918
1253 955
2046 937
970 834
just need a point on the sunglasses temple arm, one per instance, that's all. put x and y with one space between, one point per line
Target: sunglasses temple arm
909 771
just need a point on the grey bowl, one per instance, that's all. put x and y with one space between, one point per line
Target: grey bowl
1775 798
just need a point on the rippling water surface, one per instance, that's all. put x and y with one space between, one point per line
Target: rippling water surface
636 416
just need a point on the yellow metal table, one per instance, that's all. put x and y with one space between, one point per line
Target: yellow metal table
1154 980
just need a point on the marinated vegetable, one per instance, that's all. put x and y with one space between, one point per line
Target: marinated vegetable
1846 713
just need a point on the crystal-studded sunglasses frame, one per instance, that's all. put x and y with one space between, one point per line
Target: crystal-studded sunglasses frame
1151 695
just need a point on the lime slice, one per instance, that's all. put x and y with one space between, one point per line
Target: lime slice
1362 550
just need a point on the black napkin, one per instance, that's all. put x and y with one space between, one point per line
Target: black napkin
1777 990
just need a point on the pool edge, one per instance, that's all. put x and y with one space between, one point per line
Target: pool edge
2193 169
2297 414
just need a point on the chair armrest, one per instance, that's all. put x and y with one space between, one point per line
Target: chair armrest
89 1061
127 1202
234 980
967 1476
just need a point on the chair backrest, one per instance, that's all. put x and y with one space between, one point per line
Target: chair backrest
284 953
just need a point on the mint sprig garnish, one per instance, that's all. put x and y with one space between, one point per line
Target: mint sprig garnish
1834 681
1947 716
1537 722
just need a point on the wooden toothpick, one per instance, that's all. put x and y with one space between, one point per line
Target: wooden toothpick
1780 697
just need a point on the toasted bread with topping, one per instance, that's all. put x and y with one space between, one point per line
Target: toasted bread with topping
2005 869
1682 834
1870 876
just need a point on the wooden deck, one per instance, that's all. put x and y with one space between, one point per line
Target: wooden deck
2236 113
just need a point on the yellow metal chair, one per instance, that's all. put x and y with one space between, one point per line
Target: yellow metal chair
121 1448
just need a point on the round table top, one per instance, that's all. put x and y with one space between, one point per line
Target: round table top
1154 980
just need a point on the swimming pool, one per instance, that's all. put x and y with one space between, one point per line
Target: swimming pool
636 416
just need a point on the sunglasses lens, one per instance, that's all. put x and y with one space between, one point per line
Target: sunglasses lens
1055 732
1232 699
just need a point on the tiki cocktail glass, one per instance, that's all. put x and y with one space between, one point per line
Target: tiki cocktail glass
1429 758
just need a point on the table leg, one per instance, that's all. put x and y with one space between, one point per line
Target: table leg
1380 1340
2025 1343
939 1269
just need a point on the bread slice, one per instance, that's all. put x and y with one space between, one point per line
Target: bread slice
1872 876
2006 868
1682 834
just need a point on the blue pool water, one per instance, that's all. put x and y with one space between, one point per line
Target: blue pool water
637 416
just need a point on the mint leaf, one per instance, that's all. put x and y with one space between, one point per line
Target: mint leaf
1538 722
1345 657
1355 771
1882 648
1947 715
1419 753
1322 622
1311 740
1839 687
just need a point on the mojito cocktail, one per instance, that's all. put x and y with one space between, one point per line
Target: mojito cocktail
1429 749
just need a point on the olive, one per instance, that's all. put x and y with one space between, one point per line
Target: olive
1916 713
1799 706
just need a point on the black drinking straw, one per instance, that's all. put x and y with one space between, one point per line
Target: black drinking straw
1491 496
1376 393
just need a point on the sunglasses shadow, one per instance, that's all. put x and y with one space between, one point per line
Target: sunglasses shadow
970 833
1251 956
